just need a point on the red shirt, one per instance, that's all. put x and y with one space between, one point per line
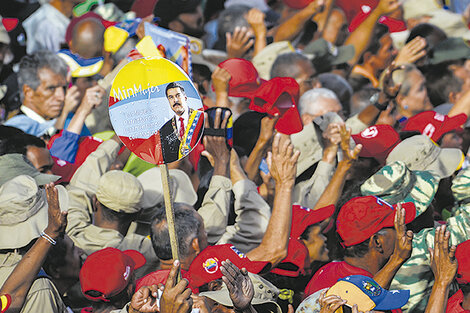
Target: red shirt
329 274
454 303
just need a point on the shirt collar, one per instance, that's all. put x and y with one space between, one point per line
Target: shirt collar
32 115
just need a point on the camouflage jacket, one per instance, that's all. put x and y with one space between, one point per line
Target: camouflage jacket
416 274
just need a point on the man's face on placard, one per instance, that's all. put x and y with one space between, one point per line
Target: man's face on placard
177 99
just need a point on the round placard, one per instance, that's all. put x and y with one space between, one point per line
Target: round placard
156 110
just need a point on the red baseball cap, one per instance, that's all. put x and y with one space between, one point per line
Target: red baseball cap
297 4
463 272
303 217
361 217
280 95
394 25
434 125
206 266
377 141
297 261
245 78
108 271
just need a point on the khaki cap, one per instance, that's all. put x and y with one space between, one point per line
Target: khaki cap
23 211
264 60
420 153
14 164
120 192
181 190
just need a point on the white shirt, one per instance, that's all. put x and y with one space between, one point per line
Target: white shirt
45 29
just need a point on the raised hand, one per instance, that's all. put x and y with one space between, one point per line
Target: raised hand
255 18
93 98
282 161
238 43
220 78
57 220
404 239
443 262
72 99
176 297
239 285
411 52
349 156
216 150
387 6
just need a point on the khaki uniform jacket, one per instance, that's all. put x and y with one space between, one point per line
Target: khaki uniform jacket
253 213
42 297
80 228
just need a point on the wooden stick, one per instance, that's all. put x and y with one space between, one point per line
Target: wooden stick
170 214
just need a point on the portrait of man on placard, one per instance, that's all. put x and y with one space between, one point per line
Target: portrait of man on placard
180 133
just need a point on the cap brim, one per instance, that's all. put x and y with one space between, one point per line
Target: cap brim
410 214
345 53
448 161
394 299
454 123
137 257
26 230
245 91
289 123
43 179
314 217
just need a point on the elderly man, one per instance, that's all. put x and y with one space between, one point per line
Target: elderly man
42 84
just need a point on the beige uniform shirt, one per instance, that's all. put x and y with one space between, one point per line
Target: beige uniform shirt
253 214
80 228
41 297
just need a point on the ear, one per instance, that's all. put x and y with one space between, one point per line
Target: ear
376 242
195 245
54 272
306 119
95 204
452 97
27 91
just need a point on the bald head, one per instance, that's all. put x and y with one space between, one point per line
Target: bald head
88 38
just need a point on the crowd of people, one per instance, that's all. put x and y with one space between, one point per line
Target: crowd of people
332 172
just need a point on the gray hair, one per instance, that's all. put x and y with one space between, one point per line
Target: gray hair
232 17
308 101
31 64
284 65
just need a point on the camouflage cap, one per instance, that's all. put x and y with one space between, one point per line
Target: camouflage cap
15 164
461 185
395 183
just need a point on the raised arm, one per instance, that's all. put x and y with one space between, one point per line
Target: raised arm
444 267
259 151
333 191
282 164
292 27
360 37
401 253
20 280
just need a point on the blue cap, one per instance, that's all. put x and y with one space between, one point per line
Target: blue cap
384 299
